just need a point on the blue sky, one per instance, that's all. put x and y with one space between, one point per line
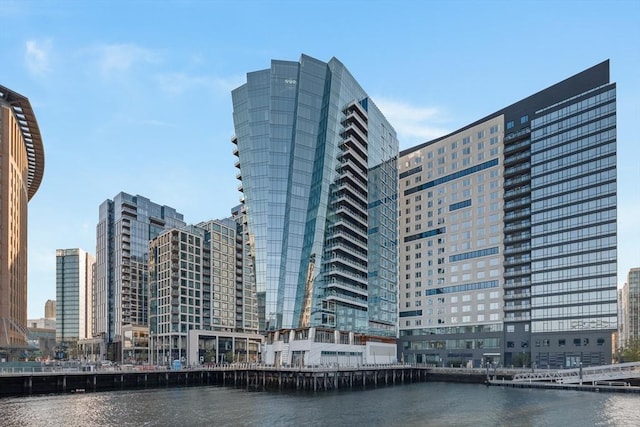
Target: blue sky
134 96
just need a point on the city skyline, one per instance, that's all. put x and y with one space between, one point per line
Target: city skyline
164 98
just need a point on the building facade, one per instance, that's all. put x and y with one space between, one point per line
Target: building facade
50 309
317 163
197 283
125 226
630 309
21 171
508 234
74 297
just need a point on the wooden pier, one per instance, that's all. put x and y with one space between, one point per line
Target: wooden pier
249 376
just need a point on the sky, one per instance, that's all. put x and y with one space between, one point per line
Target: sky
135 96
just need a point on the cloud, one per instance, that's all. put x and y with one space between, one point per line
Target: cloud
413 124
37 57
178 83
120 58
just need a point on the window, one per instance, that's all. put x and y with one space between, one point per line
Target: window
511 328
561 343
510 124
524 119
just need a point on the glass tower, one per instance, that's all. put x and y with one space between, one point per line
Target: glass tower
318 169
74 282
124 229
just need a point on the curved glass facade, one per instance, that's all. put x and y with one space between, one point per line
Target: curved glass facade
318 169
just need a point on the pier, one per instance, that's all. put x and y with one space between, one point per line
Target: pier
249 376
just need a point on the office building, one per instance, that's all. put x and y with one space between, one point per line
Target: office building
21 171
317 163
508 234
74 302
125 226
630 309
50 309
200 304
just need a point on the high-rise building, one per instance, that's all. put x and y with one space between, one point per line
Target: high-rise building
318 169
50 309
196 282
74 303
232 271
508 233
21 171
630 309
125 226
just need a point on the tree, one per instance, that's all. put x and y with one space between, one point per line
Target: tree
631 352
522 359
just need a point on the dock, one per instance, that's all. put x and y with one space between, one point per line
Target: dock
249 376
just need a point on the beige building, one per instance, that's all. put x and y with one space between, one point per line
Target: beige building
629 323
50 309
21 170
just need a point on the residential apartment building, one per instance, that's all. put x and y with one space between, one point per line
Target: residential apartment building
125 226
630 309
21 171
317 163
508 234
199 297
74 301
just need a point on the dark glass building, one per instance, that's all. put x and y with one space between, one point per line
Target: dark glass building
515 260
318 169
121 286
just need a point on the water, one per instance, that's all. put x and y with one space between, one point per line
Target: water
424 404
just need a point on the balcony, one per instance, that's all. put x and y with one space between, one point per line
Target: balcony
520 179
512 148
515 237
517 307
522 201
346 299
518 317
520 157
518 191
509 272
517 295
522 282
512 249
338 286
515 260
335 272
517 225
517 214
517 169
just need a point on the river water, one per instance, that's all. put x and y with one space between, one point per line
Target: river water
421 404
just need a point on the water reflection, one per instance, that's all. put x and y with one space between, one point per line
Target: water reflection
432 404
